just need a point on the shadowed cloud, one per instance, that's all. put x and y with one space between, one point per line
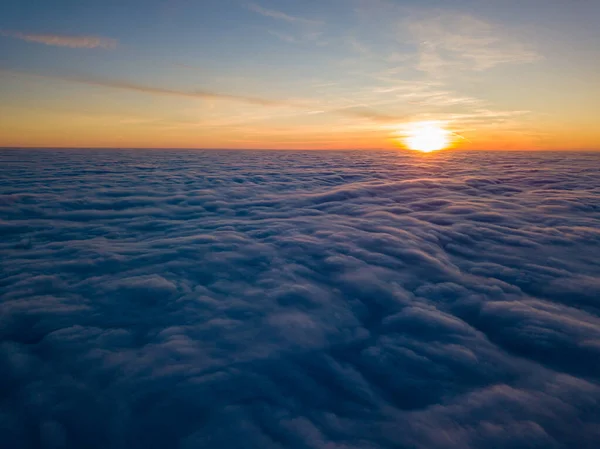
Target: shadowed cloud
310 300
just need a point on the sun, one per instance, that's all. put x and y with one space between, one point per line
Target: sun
427 137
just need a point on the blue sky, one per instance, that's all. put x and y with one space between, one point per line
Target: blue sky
467 58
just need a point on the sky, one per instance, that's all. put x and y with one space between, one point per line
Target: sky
326 74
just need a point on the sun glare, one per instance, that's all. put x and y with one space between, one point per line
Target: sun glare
427 137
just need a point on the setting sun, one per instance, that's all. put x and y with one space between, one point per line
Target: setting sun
427 137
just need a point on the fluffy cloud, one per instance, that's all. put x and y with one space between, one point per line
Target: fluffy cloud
299 300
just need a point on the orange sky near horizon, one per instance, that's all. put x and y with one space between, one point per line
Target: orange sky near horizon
78 131
318 77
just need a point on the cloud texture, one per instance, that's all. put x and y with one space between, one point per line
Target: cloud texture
299 300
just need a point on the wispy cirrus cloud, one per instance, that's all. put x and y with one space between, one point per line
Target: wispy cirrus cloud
423 77
368 113
426 93
284 37
354 111
358 46
60 40
136 87
451 42
298 39
153 90
274 14
303 30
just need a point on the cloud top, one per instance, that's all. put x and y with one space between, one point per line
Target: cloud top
354 299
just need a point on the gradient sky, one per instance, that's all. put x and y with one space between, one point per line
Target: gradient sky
298 74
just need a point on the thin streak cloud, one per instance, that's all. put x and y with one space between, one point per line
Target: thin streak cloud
135 87
354 112
281 15
58 40
284 37
367 113
202 94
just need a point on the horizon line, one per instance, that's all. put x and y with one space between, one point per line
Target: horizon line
580 150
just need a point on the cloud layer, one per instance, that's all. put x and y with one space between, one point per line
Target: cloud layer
299 300
58 40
